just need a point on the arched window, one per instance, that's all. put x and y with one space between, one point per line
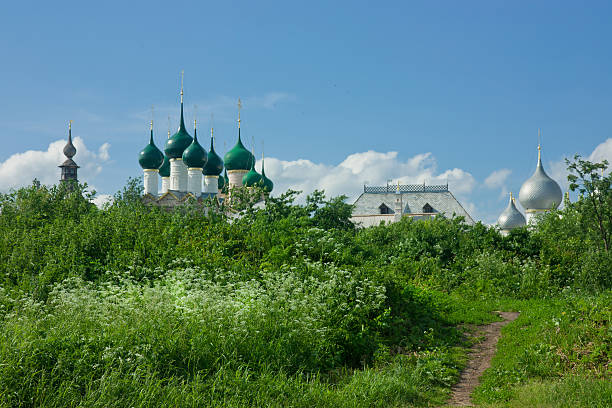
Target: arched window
384 209
427 209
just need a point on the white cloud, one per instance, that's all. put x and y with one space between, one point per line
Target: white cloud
497 179
21 168
101 199
371 168
558 169
602 152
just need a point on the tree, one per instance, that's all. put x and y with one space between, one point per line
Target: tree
596 197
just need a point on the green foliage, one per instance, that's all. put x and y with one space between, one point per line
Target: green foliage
278 304
570 334
595 212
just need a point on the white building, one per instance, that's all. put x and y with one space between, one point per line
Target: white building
389 204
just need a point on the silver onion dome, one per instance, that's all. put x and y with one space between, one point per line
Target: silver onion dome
511 217
540 192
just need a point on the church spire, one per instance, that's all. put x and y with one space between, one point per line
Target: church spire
69 167
182 124
539 147
69 149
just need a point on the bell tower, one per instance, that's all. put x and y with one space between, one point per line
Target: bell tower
69 167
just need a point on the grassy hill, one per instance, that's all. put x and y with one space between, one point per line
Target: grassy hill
290 305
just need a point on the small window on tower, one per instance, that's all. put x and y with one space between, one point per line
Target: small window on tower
384 209
427 209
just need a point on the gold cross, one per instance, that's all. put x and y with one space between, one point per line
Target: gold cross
69 124
239 107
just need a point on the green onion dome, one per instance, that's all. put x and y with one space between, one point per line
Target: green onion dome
238 158
252 178
195 155
226 181
150 157
221 183
214 165
268 185
178 142
164 170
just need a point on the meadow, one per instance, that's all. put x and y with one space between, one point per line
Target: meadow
291 305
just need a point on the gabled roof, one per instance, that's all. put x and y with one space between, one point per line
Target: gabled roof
442 202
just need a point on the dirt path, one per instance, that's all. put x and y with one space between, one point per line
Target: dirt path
479 360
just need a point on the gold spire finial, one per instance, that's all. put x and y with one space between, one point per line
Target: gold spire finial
211 125
239 107
511 196
168 126
539 147
70 125
182 78
195 123
151 124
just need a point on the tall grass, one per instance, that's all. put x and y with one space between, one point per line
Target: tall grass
196 336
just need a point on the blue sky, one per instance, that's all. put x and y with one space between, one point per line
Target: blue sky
468 82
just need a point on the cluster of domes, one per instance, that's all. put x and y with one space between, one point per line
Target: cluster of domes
254 179
182 147
540 193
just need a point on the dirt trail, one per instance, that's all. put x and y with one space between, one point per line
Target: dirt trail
479 360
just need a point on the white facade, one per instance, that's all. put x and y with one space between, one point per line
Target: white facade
235 178
165 184
388 204
178 175
150 181
532 216
194 184
373 220
211 184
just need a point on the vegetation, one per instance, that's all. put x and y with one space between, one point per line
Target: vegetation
291 305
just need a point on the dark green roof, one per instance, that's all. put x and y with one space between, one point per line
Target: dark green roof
226 182
164 170
178 142
150 157
195 155
221 183
252 178
238 158
268 185
214 165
